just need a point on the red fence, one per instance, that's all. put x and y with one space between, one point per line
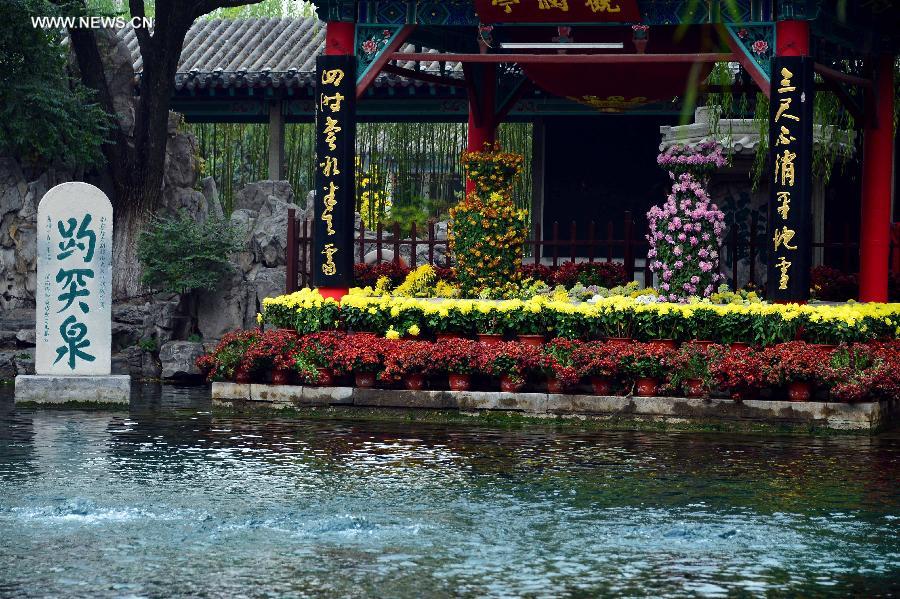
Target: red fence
557 244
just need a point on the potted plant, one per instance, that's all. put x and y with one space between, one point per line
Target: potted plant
225 361
689 368
457 358
617 323
598 361
558 366
318 351
407 361
371 318
271 350
799 365
660 325
489 323
509 361
360 355
529 323
304 311
738 371
645 364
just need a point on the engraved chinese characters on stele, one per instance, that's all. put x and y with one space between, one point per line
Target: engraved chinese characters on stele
74 291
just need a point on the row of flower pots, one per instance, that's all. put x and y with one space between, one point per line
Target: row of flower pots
795 370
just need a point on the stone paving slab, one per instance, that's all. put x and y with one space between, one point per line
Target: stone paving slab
840 416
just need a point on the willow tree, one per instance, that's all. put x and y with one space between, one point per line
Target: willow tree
136 164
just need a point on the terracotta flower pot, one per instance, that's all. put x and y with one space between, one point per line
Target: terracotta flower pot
694 387
509 384
414 382
555 386
533 340
799 391
619 340
281 376
601 385
490 338
292 332
447 336
739 346
663 343
459 382
647 386
365 380
241 375
326 379
704 343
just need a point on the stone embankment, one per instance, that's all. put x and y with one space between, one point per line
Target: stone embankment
662 410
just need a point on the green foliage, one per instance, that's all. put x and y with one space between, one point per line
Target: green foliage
180 254
44 116
148 344
415 162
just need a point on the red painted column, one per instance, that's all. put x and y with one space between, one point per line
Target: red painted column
485 130
877 186
340 39
792 38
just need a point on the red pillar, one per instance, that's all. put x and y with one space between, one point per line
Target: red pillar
792 38
878 161
340 39
484 129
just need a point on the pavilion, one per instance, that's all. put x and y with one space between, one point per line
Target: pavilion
487 61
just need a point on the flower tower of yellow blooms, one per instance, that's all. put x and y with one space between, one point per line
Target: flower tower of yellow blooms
487 231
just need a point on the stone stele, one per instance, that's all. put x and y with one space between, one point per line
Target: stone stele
73 297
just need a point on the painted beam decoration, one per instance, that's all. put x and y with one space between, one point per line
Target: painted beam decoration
335 184
790 201
74 290
553 11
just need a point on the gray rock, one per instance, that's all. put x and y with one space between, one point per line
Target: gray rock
181 159
126 335
26 337
190 201
211 193
166 319
178 359
268 282
254 195
227 307
129 361
24 362
8 338
268 239
7 365
126 313
244 219
150 366
119 365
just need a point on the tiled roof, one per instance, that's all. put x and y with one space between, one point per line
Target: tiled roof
259 52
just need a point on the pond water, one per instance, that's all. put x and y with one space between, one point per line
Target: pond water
170 500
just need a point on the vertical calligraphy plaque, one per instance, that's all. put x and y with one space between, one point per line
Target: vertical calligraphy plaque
790 178
74 275
335 196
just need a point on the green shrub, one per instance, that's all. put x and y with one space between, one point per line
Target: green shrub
180 254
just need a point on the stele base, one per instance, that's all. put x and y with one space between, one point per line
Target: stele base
54 389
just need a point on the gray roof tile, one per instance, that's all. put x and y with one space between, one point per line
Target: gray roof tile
257 52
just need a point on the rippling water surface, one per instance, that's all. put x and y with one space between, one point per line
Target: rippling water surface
169 500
